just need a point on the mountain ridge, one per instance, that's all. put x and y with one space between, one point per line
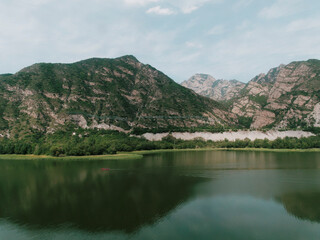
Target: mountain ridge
287 96
124 94
120 93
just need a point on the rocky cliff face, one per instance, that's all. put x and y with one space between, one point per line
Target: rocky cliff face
219 90
119 93
286 97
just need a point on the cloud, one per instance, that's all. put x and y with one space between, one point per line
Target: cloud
242 4
281 8
216 30
189 6
183 6
189 9
304 24
140 2
207 40
194 45
243 25
258 48
160 11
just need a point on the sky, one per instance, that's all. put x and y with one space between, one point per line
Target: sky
229 39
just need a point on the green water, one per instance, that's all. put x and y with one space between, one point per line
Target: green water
177 195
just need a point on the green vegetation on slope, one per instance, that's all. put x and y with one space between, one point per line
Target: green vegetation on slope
121 92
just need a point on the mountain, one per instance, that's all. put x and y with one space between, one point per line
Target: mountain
124 94
120 93
287 96
219 90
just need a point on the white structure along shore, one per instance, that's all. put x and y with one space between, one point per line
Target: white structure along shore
231 136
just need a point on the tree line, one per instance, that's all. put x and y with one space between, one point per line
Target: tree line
97 142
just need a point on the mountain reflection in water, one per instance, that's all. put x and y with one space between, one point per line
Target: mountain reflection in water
303 205
185 195
90 199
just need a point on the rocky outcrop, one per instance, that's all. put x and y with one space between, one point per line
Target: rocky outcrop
314 117
219 90
285 97
262 118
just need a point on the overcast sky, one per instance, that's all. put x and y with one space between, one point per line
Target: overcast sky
230 39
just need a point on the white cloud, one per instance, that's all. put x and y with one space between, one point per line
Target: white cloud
39 2
160 11
243 25
281 8
183 6
242 4
189 6
258 48
140 2
216 30
189 9
179 45
195 45
304 24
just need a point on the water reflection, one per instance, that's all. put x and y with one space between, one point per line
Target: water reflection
188 195
48 195
303 205
244 160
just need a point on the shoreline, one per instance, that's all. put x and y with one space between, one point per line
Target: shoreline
118 156
146 152
135 155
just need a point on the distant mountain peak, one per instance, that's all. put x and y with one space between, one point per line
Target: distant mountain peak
219 90
202 78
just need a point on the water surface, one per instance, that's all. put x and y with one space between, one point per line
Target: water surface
173 195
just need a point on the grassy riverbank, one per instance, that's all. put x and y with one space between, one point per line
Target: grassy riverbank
139 154
118 156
